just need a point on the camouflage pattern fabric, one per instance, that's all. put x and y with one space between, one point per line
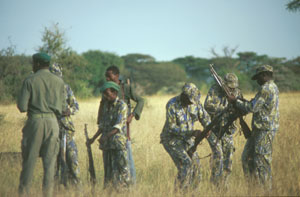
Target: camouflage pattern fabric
257 155
176 138
222 149
67 128
114 149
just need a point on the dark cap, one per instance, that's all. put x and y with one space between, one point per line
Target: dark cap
41 57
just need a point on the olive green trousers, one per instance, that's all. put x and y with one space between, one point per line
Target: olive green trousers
40 139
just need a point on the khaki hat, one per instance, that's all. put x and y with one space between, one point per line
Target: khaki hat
260 69
231 80
192 92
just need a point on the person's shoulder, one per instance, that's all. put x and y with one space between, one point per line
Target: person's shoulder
172 101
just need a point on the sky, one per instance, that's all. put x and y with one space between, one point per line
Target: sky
164 29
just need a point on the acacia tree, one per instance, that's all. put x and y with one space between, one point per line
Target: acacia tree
54 41
293 6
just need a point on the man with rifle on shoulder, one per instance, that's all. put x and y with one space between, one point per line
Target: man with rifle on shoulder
178 134
257 154
222 147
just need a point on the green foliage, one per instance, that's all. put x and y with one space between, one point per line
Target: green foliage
13 69
54 41
97 63
293 5
153 77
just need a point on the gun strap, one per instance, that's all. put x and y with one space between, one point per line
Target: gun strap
123 97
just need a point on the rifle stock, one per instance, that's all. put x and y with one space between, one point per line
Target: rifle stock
90 155
203 134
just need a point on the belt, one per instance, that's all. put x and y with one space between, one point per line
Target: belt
42 115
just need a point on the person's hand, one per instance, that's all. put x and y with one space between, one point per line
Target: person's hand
231 98
66 113
129 118
196 133
208 134
103 138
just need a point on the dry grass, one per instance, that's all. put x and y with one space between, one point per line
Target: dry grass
155 170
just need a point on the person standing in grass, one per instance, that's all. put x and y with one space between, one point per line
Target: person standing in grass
67 131
43 98
178 134
222 149
113 127
126 93
257 154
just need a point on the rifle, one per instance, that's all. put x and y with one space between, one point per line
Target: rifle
238 114
203 134
62 168
90 155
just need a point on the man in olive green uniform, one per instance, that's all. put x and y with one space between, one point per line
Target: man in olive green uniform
223 149
42 97
113 128
126 93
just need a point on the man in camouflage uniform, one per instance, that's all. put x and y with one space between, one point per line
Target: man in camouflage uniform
222 149
113 127
178 133
126 93
257 154
67 131
43 98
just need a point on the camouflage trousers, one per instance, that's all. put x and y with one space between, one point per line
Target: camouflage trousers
116 171
189 174
221 161
257 158
72 165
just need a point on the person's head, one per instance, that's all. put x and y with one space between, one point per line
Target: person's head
110 90
40 61
112 74
263 74
231 81
190 94
56 69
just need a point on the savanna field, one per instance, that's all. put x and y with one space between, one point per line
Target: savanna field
155 170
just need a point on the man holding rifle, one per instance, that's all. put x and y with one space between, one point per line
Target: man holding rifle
178 133
113 128
257 154
222 147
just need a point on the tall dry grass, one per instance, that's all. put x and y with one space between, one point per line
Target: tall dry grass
155 170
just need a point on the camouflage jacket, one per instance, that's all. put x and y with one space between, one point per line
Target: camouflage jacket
265 108
73 106
216 102
180 121
114 116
